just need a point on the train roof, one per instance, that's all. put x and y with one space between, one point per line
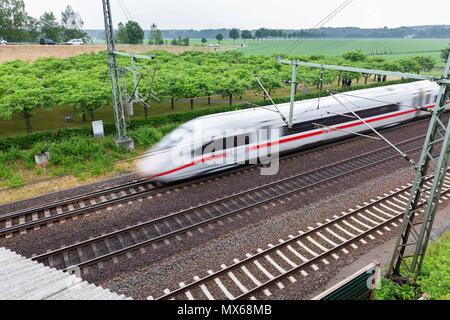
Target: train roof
240 118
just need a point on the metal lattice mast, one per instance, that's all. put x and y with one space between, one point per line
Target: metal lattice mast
413 240
119 113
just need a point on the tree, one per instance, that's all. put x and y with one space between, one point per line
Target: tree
14 20
234 34
25 94
232 84
261 33
170 84
204 40
426 63
219 37
122 34
50 28
355 56
185 42
269 79
445 53
85 91
130 33
135 32
409 65
191 88
246 34
155 36
72 25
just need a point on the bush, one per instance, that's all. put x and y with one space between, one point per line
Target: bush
392 291
146 137
9 175
75 150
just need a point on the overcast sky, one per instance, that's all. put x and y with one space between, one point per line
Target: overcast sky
252 14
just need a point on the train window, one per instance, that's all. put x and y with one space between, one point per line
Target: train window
428 99
214 145
238 141
339 119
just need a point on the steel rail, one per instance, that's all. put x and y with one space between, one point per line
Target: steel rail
69 200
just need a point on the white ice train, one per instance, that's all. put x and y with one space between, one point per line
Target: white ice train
220 141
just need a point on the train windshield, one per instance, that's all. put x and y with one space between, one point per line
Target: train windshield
175 138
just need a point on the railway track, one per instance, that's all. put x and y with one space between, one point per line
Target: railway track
23 221
137 237
261 274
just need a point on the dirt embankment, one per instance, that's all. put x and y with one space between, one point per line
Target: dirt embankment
34 52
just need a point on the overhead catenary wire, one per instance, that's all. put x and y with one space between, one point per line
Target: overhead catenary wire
130 16
124 11
271 100
404 155
327 128
418 108
319 25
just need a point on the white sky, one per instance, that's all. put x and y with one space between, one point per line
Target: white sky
252 14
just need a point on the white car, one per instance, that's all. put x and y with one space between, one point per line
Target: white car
75 42
3 41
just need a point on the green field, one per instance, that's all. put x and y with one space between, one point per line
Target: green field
341 46
390 49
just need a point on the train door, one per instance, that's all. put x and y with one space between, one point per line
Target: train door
239 146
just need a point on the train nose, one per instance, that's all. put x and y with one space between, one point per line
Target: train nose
151 166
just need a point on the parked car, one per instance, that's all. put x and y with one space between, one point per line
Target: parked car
4 42
47 42
210 45
75 42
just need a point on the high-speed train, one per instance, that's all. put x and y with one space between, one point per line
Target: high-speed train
221 141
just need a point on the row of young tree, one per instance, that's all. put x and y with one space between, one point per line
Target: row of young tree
132 33
16 25
83 83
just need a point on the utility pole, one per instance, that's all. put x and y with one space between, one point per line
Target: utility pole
122 139
416 229
293 86
415 233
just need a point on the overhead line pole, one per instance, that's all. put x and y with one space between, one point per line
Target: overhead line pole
119 115
122 138
293 86
413 241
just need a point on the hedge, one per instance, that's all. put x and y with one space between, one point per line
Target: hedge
25 142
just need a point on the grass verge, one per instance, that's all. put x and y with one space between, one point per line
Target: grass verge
434 281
